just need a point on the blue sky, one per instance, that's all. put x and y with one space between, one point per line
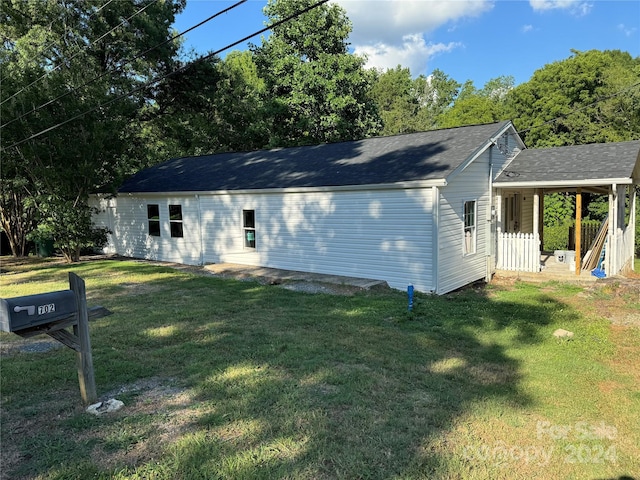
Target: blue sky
473 40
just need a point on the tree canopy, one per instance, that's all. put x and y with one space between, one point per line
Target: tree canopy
590 97
314 90
71 85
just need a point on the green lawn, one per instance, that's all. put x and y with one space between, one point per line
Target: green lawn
235 380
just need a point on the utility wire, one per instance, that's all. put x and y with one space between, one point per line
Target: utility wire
62 62
164 77
68 92
101 7
52 43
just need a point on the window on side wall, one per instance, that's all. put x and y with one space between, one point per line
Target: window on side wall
153 217
469 217
175 220
249 228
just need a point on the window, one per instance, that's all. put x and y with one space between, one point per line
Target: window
469 227
153 216
175 220
249 226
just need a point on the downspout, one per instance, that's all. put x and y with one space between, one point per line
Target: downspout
436 238
488 233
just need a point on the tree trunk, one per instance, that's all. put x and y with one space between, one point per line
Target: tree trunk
17 221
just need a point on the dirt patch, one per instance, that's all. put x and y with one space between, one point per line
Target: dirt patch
317 287
627 357
617 299
169 415
31 345
157 411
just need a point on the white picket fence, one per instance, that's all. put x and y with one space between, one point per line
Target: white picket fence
519 251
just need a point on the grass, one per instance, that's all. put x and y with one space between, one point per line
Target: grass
228 379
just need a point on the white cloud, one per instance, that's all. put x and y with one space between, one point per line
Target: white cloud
527 28
389 21
414 53
577 7
627 31
392 32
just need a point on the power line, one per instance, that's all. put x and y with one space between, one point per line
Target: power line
53 43
164 77
68 92
49 72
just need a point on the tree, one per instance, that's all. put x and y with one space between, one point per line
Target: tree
474 106
590 97
398 107
209 106
242 95
436 94
314 90
66 60
411 105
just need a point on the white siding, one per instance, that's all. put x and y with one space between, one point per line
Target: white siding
104 218
126 217
383 234
511 145
455 269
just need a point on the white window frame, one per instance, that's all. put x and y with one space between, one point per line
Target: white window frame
154 220
469 232
248 230
178 222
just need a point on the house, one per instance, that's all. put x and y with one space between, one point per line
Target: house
417 209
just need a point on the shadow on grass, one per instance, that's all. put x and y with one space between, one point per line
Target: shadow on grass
285 384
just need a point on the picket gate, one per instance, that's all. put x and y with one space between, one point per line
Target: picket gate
519 252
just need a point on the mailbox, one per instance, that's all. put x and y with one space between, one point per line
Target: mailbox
20 313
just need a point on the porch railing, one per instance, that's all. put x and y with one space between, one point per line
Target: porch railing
519 251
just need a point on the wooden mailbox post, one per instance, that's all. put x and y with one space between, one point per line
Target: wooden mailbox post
44 317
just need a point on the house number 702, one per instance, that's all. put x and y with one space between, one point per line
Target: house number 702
44 309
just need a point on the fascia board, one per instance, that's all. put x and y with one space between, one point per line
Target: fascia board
565 183
441 182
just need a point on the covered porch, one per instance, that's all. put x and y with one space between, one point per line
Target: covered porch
518 205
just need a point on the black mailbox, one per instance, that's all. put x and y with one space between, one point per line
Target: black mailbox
20 313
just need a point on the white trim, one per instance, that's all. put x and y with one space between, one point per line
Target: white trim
415 184
246 228
436 239
200 233
563 183
474 237
488 144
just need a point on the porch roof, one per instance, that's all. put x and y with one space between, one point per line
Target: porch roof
595 164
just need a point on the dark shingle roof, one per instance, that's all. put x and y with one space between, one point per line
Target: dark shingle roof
579 163
428 155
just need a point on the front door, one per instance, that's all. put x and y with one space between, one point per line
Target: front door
511 210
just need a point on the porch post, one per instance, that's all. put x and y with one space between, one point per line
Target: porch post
536 211
622 197
541 216
578 229
613 227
